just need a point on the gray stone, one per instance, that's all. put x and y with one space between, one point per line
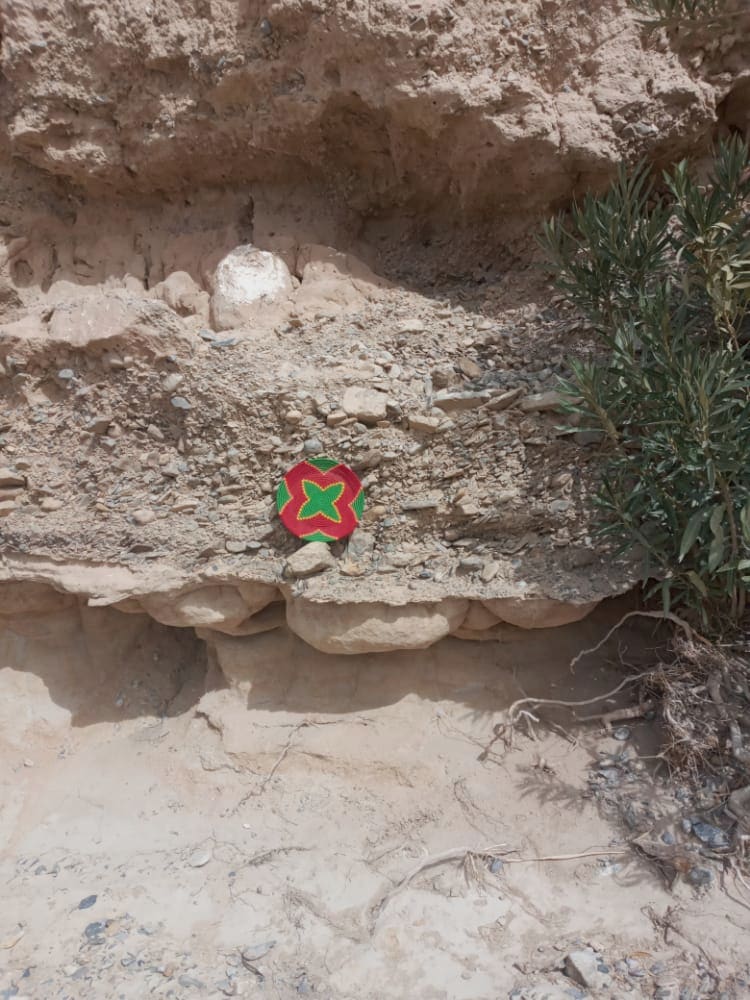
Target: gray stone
450 402
560 506
256 951
489 571
311 558
505 399
234 546
700 877
710 835
189 982
583 967
313 446
361 545
180 403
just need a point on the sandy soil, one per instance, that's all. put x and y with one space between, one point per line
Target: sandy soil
158 822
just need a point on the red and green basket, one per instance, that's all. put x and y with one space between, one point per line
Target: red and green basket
320 500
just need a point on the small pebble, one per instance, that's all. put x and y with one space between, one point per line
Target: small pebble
180 403
255 952
87 902
700 876
622 734
710 835
199 858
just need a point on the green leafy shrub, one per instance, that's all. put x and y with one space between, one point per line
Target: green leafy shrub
664 277
676 13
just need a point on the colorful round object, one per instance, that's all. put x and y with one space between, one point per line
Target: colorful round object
320 500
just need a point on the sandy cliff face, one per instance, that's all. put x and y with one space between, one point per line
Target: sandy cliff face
236 234
421 106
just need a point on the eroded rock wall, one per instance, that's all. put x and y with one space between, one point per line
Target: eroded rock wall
428 106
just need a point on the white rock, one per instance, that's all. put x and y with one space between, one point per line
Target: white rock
311 558
199 858
248 280
373 628
367 405
144 516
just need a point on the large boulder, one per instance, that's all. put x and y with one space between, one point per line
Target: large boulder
537 612
373 628
211 606
116 318
247 283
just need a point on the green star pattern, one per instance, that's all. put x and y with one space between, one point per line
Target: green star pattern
321 500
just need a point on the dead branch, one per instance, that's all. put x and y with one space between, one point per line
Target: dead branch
661 615
456 854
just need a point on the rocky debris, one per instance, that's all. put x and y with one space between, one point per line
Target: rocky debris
367 405
247 281
7 507
314 557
